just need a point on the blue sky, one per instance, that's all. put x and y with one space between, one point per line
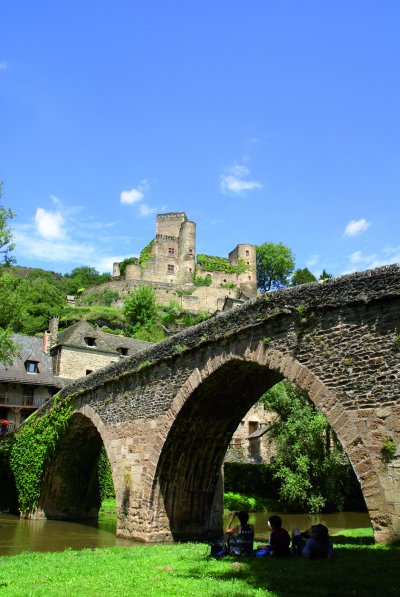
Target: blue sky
262 120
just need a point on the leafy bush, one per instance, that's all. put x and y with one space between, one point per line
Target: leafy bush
238 501
253 479
312 468
209 263
106 484
203 280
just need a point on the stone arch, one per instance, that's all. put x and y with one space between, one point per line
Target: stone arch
70 488
186 484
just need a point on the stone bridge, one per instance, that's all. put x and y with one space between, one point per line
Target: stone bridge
166 416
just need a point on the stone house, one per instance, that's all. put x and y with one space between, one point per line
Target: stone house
44 366
250 442
81 349
27 383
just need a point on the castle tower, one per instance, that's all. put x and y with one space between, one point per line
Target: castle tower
248 279
187 252
174 248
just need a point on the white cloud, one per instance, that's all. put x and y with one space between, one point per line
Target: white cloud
356 257
49 224
313 260
146 210
63 251
105 263
135 195
356 227
130 197
359 261
233 180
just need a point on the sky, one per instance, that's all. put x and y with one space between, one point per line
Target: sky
263 120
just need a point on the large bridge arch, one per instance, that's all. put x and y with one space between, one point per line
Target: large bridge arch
207 409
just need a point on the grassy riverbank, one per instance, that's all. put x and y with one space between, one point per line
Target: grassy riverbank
358 568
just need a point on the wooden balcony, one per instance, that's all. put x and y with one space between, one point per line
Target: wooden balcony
13 400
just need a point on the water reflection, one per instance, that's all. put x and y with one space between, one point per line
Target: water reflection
335 522
18 535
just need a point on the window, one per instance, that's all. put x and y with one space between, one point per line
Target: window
171 251
190 251
90 341
170 269
247 253
31 366
249 278
122 351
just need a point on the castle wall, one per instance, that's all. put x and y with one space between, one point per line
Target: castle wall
173 267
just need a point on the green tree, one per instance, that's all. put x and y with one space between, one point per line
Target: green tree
313 469
7 347
83 277
10 304
39 300
140 309
275 264
325 275
302 276
6 235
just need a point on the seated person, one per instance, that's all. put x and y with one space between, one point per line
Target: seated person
279 539
317 546
241 536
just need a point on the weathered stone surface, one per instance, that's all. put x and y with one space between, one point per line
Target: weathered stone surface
166 425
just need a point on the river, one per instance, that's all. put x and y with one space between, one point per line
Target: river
18 535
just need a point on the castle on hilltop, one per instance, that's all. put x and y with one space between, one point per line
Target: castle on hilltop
169 265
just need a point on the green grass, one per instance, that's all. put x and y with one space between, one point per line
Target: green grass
108 506
185 570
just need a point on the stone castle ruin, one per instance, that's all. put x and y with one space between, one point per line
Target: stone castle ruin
170 266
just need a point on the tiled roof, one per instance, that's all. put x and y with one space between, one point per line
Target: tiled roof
76 334
30 349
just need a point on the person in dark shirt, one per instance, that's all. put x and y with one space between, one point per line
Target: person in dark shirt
317 546
279 539
240 536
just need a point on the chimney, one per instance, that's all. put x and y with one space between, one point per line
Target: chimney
53 331
46 342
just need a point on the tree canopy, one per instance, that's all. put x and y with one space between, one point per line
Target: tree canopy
83 277
275 264
313 469
325 275
140 308
7 347
6 235
302 276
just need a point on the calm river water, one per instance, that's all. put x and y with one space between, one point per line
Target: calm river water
18 535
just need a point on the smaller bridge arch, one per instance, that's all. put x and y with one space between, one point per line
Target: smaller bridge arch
70 486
